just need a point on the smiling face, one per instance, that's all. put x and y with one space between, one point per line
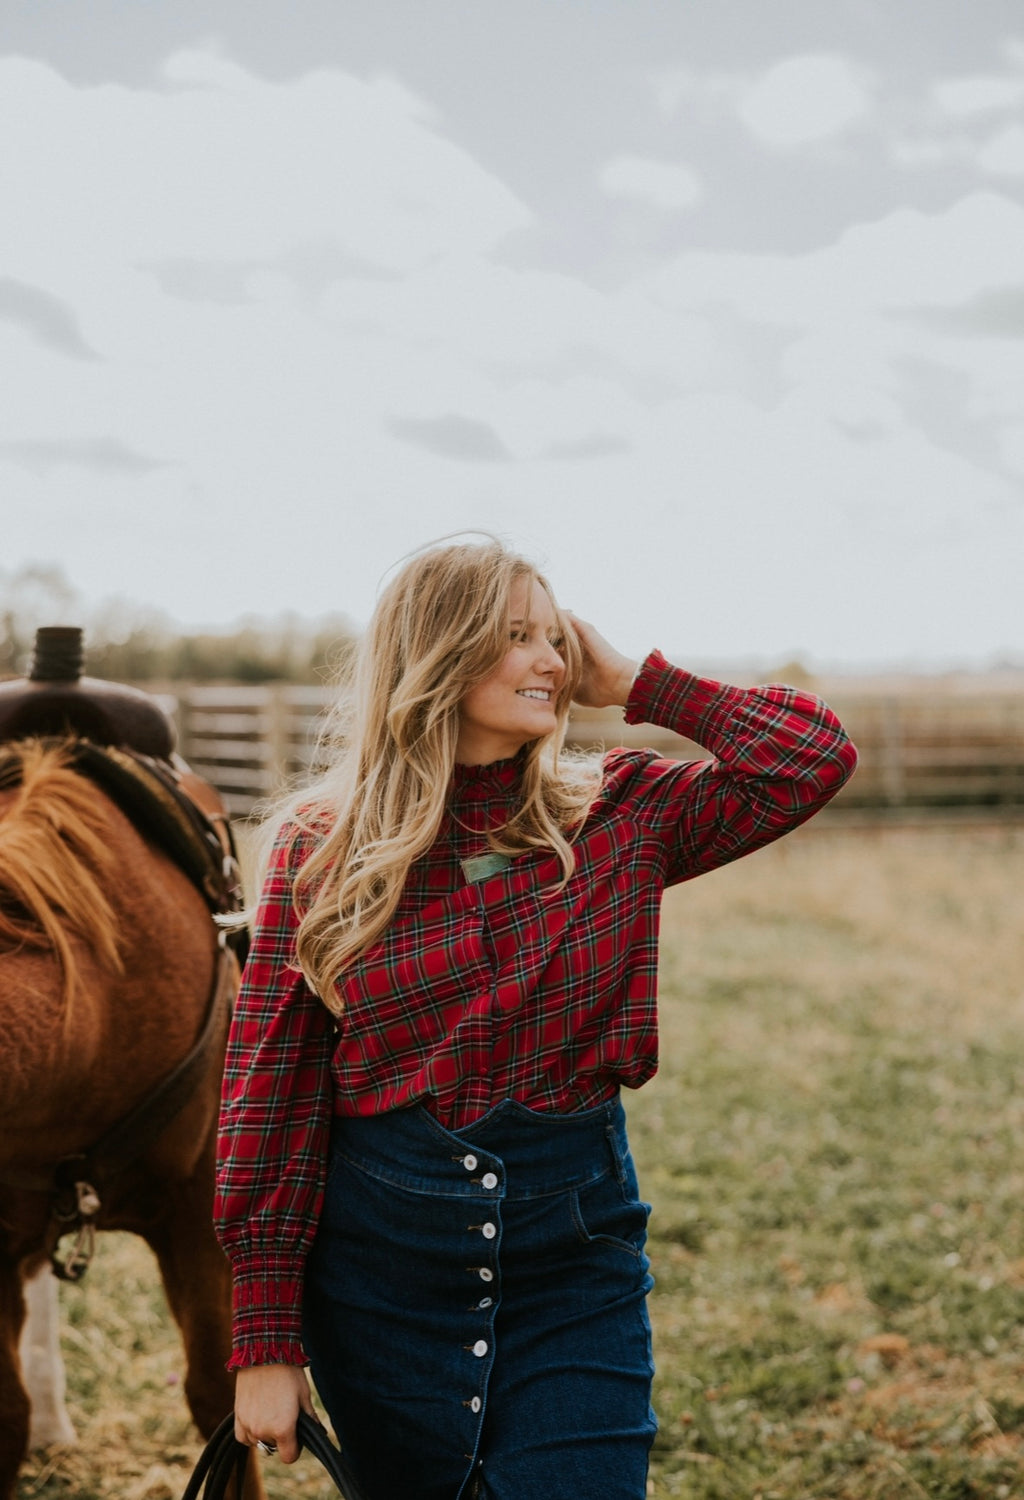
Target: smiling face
516 703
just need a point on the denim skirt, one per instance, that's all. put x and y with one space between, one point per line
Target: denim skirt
475 1306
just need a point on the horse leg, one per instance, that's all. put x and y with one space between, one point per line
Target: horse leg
42 1367
197 1280
14 1404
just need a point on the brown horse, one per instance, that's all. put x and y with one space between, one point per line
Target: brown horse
109 963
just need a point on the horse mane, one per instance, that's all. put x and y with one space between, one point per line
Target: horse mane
55 858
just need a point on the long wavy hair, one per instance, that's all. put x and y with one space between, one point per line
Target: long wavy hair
440 627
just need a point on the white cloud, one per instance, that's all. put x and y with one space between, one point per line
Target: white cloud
905 260
506 321
873 539
670 87
913 153
857 314
222 165
805 100
706 93
580 416
1003 154
963 98
1012 448
668 186
999 155
944 127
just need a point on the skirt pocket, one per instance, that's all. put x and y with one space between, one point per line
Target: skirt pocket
605 1212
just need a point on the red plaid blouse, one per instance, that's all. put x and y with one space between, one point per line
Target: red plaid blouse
500 987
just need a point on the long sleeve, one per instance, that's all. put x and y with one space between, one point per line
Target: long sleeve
777 757
516 986
275 1120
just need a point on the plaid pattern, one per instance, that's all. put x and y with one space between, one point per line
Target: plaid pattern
507 987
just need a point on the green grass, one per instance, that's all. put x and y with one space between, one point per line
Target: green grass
835 1151
834 1148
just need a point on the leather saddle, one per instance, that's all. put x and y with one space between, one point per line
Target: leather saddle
122 739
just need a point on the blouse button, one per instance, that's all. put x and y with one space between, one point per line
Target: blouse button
488 1230
469 1162
480 1348
489 1180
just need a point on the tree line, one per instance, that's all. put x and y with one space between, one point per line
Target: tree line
131 642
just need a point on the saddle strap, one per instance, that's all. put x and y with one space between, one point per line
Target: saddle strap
126 1141
74 1184
152 794
75 1199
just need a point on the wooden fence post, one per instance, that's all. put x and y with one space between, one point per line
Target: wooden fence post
276 750
891 753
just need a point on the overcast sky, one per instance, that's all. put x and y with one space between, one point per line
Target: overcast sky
714 307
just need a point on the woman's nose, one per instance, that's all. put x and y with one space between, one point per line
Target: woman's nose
553 660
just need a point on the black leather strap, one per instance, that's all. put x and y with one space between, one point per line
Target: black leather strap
224 1456
215 1463
314 1439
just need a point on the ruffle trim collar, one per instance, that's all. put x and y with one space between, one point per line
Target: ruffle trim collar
483 781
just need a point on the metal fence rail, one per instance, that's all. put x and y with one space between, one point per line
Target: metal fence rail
931 753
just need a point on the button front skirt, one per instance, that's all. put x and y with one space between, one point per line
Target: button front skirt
475 1306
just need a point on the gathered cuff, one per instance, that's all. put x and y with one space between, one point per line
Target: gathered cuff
267 1314
268 1354
644 686
673 698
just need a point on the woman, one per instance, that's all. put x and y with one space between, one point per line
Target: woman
425 1186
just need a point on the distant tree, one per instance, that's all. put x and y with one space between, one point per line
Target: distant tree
288 649
128 642
36 594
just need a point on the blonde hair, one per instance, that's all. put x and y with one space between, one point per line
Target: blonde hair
439 628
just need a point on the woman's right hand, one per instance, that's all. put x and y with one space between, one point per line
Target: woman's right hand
267 1403
607 675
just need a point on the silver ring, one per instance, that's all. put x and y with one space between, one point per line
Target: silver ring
268 1448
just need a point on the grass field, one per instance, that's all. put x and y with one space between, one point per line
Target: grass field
835 1152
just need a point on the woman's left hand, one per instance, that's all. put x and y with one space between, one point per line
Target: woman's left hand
607 674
